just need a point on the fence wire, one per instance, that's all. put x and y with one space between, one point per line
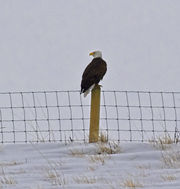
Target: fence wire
51 116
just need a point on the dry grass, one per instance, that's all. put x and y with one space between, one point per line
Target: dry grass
104 150
108 148
92 168
52 174
98 159
10 163
85 180
131 183
168 178
166 139
55 178
77 153
177 137
103 138
171 159
162 143
6 180
143 167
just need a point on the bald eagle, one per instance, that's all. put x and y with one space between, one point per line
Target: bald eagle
93 73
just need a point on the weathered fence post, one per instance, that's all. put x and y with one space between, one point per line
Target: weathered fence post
94 114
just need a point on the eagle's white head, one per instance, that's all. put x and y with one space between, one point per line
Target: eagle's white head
96 54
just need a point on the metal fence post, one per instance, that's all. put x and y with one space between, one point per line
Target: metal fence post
94 114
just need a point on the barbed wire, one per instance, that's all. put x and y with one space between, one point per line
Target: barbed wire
50 116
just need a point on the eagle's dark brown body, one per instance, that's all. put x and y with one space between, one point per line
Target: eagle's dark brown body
93 73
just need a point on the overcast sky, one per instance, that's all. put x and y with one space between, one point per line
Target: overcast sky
44 45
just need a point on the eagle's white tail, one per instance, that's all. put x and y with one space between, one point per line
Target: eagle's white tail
88 91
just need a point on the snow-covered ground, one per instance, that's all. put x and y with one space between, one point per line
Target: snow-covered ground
56 165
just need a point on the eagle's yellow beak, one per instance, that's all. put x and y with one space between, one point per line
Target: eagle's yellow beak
90 54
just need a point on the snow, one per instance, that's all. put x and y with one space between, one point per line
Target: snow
79 165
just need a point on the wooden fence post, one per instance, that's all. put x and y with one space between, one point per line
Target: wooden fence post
94 114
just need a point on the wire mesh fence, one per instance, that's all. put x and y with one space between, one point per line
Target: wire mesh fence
52 116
